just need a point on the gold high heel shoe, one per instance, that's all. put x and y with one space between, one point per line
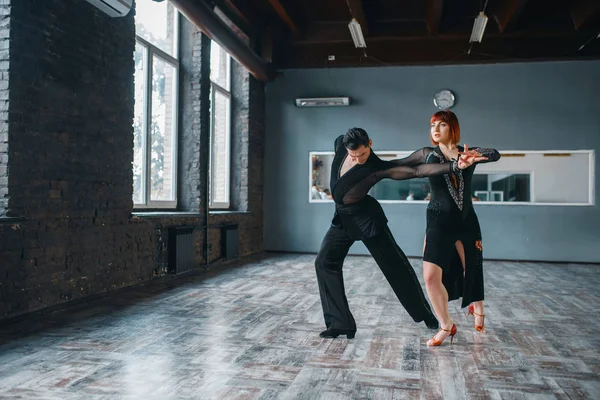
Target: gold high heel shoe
435 342
478 328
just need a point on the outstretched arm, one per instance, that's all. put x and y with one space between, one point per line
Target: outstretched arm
416 158
482 155
424 170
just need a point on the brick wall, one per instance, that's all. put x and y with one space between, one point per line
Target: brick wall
4 82
70 151
248 110
194 117
70 148
247 148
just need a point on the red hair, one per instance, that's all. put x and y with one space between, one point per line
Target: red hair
450 118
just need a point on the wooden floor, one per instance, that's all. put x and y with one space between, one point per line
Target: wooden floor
252 333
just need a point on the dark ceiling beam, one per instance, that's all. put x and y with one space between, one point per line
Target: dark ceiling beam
245 10
235 25
280 10
244 17
506 13
229 5
499 49
434 16
267 43
201 15
235 15
359 13
583 11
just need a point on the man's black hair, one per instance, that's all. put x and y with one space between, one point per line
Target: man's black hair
355 137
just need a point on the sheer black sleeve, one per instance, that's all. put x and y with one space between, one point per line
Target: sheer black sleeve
418 157
424 170
492 154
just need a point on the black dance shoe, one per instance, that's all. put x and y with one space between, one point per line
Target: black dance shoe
333 333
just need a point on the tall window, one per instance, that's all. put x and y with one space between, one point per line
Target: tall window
156 92
220 127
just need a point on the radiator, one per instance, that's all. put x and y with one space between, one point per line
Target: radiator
181 249
230 239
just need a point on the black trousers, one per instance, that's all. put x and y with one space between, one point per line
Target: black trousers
391 260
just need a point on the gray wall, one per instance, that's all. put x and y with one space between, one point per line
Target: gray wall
533 106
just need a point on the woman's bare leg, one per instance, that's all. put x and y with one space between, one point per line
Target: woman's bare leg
438 296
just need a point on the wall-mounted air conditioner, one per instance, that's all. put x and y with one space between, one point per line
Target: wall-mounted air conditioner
114 8
323 101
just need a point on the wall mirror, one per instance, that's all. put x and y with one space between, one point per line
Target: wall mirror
543 177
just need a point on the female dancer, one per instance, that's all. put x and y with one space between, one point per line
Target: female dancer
452 256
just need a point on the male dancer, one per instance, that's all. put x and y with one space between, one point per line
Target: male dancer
355 169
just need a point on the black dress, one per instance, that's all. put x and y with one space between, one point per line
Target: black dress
451 218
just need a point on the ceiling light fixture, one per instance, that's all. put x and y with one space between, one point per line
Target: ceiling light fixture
357 35
478 28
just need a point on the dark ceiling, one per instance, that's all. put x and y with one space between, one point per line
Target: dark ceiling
305 33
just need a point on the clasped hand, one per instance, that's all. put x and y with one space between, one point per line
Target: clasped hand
469 157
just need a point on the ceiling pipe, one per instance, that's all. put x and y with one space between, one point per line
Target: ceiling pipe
201 15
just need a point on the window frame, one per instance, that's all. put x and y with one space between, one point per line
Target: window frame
214 88
152 51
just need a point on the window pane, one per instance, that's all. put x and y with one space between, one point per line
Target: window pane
139 124
162 131
479 183
220 149
219 65
155 22
515 187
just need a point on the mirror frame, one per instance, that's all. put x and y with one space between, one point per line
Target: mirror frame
404 153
